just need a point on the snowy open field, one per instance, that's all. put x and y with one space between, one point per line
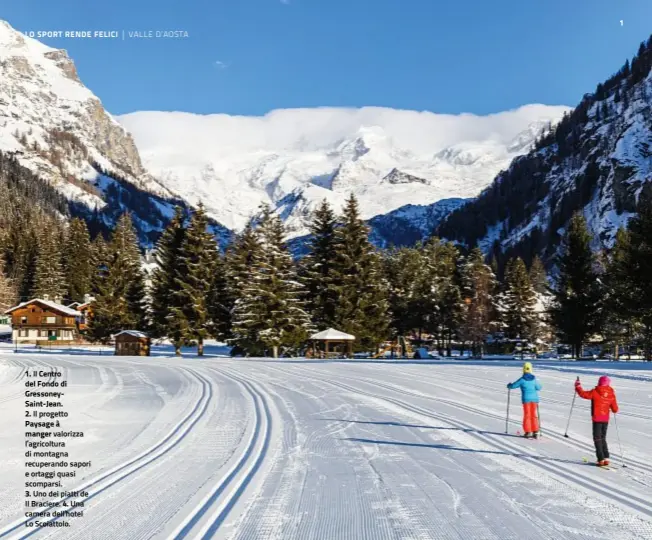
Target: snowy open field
262 449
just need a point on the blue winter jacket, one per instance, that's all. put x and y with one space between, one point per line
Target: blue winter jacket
529 388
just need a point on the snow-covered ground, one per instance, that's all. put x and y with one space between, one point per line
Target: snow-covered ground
293 449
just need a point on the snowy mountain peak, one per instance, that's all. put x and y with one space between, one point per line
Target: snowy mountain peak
294 158
365 140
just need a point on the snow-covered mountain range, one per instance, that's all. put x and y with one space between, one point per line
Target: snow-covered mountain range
294 158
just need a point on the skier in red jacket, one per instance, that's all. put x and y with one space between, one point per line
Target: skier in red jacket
603 400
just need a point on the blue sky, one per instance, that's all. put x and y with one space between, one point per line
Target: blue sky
252 56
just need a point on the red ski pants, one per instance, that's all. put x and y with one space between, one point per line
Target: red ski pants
530 418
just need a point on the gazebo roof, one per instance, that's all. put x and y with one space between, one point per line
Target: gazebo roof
332 335
132 333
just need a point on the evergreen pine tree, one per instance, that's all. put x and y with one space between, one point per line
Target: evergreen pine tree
619 323
403 270
441 291
190 316
220 301
99 258
78 261
270 312
316 267
479 285
120 290
163 285
576 311
639 268
538 276
239 261
49 277
518 302
357 283
8 293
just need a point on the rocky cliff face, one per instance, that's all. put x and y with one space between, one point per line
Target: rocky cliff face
56 126
57 129
597 160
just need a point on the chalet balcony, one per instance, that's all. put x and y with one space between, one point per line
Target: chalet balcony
45 322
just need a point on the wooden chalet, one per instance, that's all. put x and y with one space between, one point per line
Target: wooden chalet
42 321
132 343
84 313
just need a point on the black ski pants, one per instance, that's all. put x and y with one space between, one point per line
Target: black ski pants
600 440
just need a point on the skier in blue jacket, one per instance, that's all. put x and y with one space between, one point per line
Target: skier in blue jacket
530 387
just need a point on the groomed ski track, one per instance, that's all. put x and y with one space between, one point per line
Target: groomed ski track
254 449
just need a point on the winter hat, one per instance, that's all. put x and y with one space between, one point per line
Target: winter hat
527 367
604 381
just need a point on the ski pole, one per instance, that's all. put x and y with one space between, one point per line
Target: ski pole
539 419
622 457
571 412
509 393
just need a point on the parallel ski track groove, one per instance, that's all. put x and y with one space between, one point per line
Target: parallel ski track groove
263 422
182 428
608 491
546 432
20 393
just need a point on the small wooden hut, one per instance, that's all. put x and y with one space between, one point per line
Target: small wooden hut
132 343
331 343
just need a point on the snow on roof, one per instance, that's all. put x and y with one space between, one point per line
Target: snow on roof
48 303
133 333
332 335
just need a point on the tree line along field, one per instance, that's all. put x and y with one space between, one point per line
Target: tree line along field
263 301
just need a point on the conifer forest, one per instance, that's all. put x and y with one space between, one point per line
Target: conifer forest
255 296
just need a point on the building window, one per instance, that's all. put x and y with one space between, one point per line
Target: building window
23 320
23 333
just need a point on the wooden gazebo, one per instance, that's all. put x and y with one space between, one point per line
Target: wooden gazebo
331 343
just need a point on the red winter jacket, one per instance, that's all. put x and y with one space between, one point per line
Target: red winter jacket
603 400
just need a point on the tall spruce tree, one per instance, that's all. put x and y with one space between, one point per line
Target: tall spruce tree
99 257
619 293
441 291
403 270
239 260
316 267
220 301
270 314
518 302
190 316
120 289
164 285
78 261
358 283
538 276
49 277
577 311
8 292
639 268
479 286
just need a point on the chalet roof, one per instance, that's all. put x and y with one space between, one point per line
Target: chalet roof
332 335
132 333
54 306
